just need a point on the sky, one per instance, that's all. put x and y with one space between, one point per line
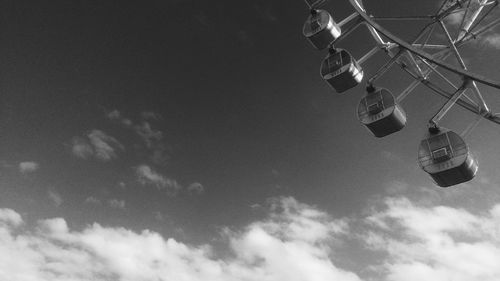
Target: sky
195 140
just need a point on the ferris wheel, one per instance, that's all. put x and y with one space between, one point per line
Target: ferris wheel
442 153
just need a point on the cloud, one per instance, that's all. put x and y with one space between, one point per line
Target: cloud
435 243
148 135
28 167
92 200
55 197
115 115
291 244
455 18
397 240
196 187
81 148
116 204
113 203
147 176
96 144
10 218
104 145
152 138
492 40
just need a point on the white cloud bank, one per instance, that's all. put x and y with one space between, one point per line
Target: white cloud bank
291 245
437 243
296 242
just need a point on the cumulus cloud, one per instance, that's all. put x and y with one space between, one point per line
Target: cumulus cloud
435 243
397 240
147 176
10 217
291 244
28 167
298 242
96 144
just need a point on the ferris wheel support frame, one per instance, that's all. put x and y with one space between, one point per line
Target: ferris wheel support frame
475 89
375 29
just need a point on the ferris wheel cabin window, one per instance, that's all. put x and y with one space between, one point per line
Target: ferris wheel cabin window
441 154
375 108
316 24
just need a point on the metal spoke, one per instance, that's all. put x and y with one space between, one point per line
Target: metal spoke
495 4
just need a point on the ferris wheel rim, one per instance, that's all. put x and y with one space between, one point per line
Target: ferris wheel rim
403 44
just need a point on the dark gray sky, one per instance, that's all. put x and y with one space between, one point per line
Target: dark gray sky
185 118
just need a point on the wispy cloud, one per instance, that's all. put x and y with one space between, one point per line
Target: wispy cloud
28 167
115 115
158 216
147 176
81 148
104 145
117 204
151 138
96 144
148 135
55 197
92 200
113 203
492 40
196 188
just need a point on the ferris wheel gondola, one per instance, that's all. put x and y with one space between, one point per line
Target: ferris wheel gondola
320 29
379 112
445 156
340 70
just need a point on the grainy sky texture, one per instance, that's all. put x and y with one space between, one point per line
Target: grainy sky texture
192 140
